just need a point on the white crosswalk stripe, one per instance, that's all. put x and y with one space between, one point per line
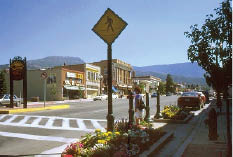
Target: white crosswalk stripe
48 122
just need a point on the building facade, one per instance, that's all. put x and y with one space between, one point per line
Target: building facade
150 83
92 73
60 84
121 75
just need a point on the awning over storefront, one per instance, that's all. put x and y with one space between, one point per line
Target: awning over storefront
74 87
114 89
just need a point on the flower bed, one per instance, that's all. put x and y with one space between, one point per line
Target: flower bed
173 114
124 141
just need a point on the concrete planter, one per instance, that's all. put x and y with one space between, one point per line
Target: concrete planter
175 121
158 144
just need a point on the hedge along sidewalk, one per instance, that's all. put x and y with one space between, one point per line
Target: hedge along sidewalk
184 121
33 109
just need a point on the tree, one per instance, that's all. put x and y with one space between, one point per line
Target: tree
211 48
169 84
3 89
161 88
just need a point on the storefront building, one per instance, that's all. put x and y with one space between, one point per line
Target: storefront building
121 76
60 84
150 83
93 78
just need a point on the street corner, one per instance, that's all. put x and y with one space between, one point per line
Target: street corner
34 109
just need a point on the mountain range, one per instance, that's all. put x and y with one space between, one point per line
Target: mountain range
189 73
181 72
50 61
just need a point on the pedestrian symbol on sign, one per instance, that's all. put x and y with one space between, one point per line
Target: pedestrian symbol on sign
109 22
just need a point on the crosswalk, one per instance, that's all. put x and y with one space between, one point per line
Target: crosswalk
47 122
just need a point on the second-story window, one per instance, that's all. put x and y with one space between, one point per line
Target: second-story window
51 79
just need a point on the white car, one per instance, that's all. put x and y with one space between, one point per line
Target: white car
114 96
5 100
101 97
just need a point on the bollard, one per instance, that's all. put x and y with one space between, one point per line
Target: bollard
212 123
131 111
147 117
157 115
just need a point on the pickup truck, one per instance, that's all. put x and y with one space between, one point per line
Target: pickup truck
5 100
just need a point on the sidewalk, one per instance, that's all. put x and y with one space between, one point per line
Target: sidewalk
201 146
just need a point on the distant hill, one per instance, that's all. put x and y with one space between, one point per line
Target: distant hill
180 69
176 78
50 61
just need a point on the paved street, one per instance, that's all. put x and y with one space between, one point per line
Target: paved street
43 130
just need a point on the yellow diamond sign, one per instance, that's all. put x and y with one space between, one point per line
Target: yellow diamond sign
109 26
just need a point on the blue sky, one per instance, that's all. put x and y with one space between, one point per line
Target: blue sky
154 35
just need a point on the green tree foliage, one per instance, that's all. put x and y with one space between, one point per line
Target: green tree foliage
161 88
142 87
169 84
3 89
211 47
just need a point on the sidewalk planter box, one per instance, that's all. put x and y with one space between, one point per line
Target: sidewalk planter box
136 142
174 120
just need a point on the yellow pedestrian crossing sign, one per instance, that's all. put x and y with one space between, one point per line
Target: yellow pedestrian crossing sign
109 26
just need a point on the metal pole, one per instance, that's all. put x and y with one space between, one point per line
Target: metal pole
110 118
44 91
158 105
11 87
147 117
131 111
25 84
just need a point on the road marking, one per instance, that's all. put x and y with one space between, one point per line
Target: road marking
65 122
81 124
3 116
97 125
50 122
36 121
24 120
37 137
11 119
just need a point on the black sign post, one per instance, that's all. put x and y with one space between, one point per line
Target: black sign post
18 71
108 28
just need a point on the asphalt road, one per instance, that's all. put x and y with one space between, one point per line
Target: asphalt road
36 132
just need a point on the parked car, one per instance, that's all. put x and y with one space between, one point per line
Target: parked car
154 95
101 97
190 99
114 96
5 100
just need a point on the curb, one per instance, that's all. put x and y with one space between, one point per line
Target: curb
175 121
34 109
157 145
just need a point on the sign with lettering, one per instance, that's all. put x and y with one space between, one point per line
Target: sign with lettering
17 67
